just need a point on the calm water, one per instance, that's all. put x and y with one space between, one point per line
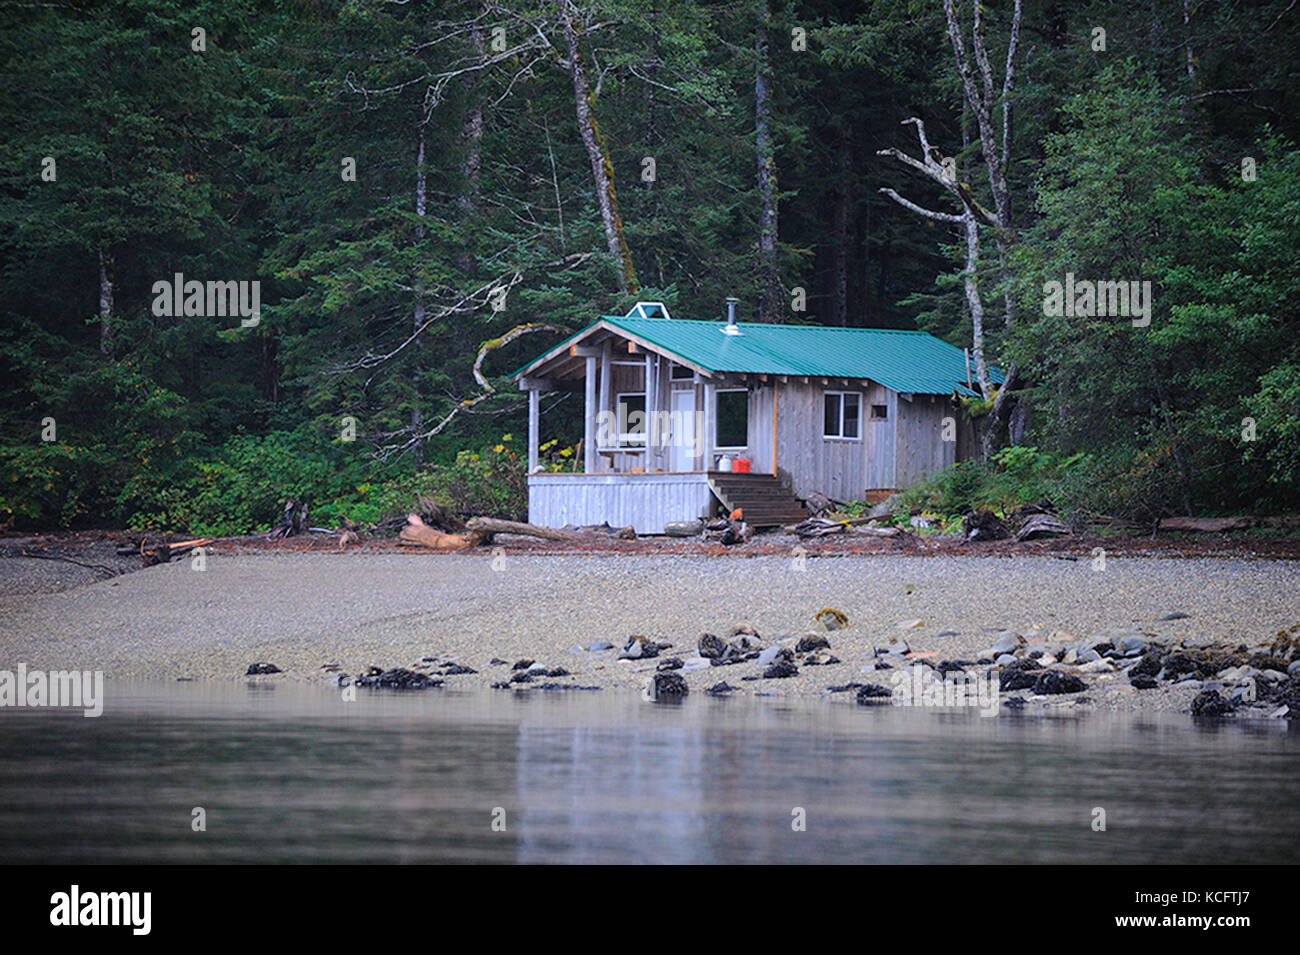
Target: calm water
292 774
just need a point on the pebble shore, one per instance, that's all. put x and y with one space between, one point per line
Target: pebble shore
317 617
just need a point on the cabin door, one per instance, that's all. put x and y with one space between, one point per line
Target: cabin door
682 406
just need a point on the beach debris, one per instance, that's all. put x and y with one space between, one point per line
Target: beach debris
683 528
523 664
262 669
1206 525
1041 525
419 533
984 526
672 663
151 555
775 654
721 689
728 530
481 531
832 619
641 648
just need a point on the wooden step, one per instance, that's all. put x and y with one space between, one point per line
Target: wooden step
761 499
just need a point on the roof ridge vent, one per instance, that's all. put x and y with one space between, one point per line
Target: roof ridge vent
648 310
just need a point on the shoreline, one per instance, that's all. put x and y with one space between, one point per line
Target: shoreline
319 616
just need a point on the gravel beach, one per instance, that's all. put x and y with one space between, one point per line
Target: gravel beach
317 615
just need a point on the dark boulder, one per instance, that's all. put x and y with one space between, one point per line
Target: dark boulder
1021 675
262 669
668 685
1211 703
873 693
812 642
398 678
1148 666
712 646
780 670
1053 682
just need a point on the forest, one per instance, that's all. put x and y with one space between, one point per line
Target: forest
395 204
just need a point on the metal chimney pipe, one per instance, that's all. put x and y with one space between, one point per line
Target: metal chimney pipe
732 302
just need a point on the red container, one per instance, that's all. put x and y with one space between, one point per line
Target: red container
740 465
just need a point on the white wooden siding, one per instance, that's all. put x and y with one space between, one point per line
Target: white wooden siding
645 501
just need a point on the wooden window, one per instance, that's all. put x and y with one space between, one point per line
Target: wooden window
680 373
631 419
880 412
731 418
842 415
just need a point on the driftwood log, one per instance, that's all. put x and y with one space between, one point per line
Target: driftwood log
824 526
292 522
1206 525
482 530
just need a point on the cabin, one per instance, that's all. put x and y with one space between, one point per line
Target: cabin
685 419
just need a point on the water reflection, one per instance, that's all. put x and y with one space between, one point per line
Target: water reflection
294 774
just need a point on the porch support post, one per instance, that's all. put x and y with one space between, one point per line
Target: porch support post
606 381
706 442
534 418
651 439
589 435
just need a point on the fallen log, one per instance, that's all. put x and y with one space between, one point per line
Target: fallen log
1207 525
1041 525
421 534
487 527
873 531
482 530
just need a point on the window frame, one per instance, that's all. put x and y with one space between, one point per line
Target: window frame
625 438
716 404
840 435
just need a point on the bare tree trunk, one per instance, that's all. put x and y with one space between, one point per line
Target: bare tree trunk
472 136
840 252
653 70
106 267
602 170
978 88
418 317
769 286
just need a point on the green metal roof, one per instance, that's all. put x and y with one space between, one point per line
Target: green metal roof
908 362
